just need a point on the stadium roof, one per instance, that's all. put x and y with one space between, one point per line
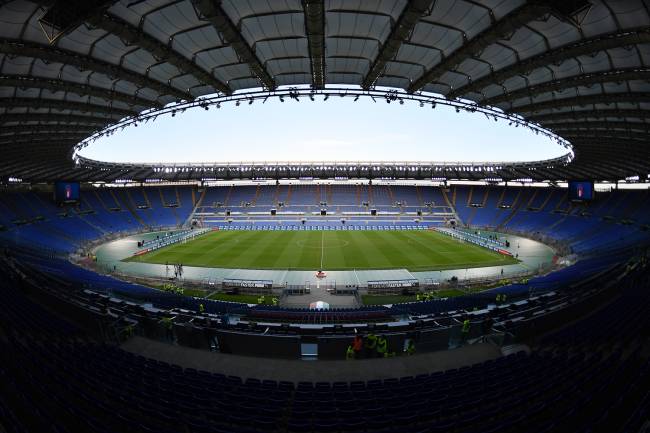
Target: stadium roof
69 68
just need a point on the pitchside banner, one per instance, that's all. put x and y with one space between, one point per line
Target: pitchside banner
258 284
391 284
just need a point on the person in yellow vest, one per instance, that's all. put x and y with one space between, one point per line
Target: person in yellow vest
169 326
371 345
465 329
382 346
201 309
128 331
349 353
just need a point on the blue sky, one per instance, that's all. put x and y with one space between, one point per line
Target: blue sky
335 130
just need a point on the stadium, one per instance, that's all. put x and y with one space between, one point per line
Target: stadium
333 295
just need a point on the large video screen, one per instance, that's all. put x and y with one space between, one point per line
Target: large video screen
581 190
66 192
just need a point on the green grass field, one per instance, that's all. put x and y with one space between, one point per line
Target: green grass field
328 250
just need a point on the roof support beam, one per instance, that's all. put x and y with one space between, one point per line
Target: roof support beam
596 44
85 62
55 85
582 101
20 130
606 128
597 149
132 35
634 148
581 135
62 17
56 104
589 79
315 29
589 114
42 138
601 124
499 30
400 32
62 118
211 11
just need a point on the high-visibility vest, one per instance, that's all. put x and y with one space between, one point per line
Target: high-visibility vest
371 341
466 326
349 354
382 345
201 308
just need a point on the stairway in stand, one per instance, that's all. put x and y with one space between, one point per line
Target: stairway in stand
131 206
227 200
288 199
257 195
419 195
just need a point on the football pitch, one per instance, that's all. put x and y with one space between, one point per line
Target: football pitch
327 250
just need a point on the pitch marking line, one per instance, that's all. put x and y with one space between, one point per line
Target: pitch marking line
322 248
